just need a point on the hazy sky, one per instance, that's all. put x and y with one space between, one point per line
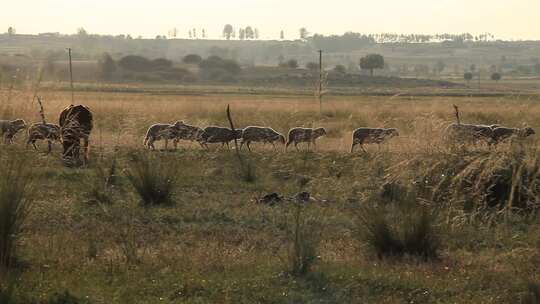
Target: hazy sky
517 19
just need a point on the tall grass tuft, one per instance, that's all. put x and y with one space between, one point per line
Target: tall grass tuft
532 296
15 201
153 178
303 242
397 231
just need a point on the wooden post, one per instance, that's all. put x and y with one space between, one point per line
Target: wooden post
320 81
41 110
232 128
71 77
456 109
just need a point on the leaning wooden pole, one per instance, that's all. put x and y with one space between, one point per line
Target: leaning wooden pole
41 110
71 78
320 82
456 110
229 117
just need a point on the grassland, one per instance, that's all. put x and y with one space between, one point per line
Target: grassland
217 244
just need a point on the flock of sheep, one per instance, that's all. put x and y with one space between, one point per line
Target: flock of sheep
75 124
471 133
213 134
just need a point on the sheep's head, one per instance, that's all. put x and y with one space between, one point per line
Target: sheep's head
179 124
320 132
528 131
392 132
18 124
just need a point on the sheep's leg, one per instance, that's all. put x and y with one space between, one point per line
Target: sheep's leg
166 144
296 146
247 144
86 149
314 145
49 146
34 144
287 145
362 147
175 144
352 147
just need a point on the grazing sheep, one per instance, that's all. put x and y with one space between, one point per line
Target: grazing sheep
501 133
221 135
470 133
76 123
371 136
161 131
260 134
309 135
9 128
188 132
43 131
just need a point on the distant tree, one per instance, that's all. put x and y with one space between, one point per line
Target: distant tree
135 63
303 33
256 33
190 35
82 32
161 64
440 66
292 64
195 33
128 37
228 31
203 33
192 59
241 34
468 76
11 31
250 34
496 77
215 62
341 69
371 62
282 35
107 66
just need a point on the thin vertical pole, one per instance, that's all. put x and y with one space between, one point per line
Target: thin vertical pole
320 81
71 77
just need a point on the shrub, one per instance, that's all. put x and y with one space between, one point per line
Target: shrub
15 203
153 179
192 59
161 64
396 232
532 296
303 242
135 63
101 183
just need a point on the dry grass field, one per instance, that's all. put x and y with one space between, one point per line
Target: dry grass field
89 238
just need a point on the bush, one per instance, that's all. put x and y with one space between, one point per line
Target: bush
192 59
135 63
396 232
532 296
303 242
15 203
215 62
153 178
